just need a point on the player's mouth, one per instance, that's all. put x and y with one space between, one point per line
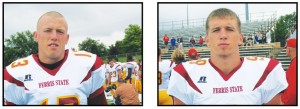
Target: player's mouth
53 45
223 45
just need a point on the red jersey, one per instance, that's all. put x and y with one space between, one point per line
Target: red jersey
290 94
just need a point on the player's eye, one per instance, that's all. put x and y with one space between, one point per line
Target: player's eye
230 29
60 32
47 30
216 29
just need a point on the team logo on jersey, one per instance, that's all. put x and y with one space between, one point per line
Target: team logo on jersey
28 77
202 79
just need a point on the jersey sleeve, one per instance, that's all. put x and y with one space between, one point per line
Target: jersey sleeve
98 77
136 68
274 84
14 89
178 87
119 67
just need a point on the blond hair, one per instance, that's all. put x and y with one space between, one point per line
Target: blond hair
177 56
223 12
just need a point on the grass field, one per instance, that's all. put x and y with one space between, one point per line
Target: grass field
123 59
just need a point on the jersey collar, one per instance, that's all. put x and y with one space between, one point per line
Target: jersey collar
222 74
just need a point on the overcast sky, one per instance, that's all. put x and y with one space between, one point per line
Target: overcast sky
175 12
104 22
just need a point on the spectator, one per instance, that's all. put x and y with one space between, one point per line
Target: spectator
201 40
193 54
173 42
245 41
264 39
166 41
289 96
256 39
259 38
250 41
268 37
180 41
126 94
192 41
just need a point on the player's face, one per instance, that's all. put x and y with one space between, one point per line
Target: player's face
111 63
52 37
287 51
223 36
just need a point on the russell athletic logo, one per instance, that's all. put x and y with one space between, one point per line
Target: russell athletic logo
28 77
202 79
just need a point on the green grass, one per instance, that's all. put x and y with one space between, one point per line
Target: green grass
123 59
109 102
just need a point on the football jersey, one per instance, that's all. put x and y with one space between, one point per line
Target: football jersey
164 73
131 66
119 64
79 77
113 71
106 72
254 82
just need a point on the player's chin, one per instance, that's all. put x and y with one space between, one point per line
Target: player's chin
53 54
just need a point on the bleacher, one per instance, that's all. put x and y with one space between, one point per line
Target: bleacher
205 52
196 31
284 59
256 50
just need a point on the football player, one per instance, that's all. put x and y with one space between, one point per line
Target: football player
138 77
115 72
164 73
54 76
226 78
131 68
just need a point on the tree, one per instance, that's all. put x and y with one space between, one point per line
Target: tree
132 41
119 46
113 50
283 28
18 46
93 46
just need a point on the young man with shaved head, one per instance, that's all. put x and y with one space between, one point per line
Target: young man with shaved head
55 75
226 78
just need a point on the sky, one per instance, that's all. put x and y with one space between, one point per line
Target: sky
177 12
104 22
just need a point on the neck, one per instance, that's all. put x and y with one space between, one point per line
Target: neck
159 59
226 63
292 57
50 60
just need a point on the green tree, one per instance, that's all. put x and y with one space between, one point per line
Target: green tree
119 46
93 46
283 28
18 46
112 50
132 41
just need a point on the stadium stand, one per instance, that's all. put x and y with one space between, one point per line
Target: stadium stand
196 28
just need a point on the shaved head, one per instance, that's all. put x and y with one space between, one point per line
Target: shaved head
52 15
52 36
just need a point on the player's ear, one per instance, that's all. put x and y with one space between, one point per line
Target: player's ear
35 36
207 41
67 40
241 39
